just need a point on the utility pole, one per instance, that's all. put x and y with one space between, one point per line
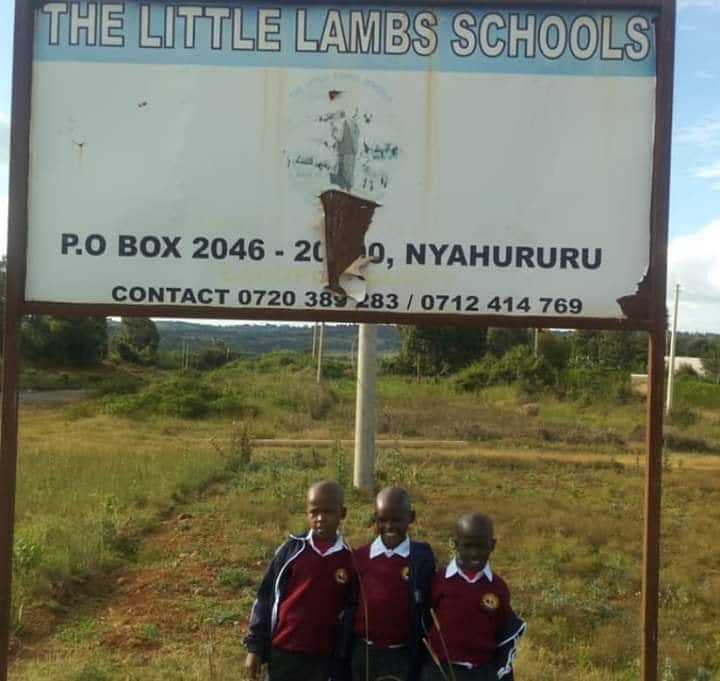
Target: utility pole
671 359
321 340
364 464
186 354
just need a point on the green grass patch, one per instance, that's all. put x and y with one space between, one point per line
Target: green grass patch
697 394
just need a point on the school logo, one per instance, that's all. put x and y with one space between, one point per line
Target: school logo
341 576
490 601
405 573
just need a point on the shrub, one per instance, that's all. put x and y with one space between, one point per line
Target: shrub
183 396
336 367
320 399
280 359
588 386
92 672
118 383
518 365
698 394
683 417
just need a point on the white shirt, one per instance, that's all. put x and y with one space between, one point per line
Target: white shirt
339 545
377 548
454 569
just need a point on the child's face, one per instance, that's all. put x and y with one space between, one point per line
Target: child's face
392 519
324 512
474 546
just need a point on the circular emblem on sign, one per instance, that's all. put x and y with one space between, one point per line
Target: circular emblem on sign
490 601
341 576
342 134
405 573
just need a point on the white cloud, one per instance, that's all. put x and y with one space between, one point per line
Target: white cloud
694 263
710 172
703 4
706 134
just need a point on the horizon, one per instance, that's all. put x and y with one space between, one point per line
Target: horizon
694 216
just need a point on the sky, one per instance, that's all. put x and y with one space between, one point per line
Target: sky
694 225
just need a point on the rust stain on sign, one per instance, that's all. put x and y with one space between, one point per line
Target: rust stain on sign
347 220
637 305
340 151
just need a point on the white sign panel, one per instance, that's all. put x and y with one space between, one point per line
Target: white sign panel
453 160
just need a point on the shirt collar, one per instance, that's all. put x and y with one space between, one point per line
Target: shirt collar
377 548
339 544
454 569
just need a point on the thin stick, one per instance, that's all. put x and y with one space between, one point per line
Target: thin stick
444 645
434 658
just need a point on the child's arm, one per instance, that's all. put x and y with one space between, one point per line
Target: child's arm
506 637
253 665
259 634
424 568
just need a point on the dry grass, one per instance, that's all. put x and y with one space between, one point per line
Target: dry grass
569 524
569 543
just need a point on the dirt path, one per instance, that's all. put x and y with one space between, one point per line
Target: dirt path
36 396
178 597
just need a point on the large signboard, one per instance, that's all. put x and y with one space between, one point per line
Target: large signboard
434 161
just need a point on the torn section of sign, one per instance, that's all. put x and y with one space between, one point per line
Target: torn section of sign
347 220
341 147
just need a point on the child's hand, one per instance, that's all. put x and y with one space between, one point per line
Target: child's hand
253 665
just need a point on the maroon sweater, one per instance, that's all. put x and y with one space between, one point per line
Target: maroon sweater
316 593
385 590
469 615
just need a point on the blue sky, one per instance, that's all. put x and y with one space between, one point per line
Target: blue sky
694 249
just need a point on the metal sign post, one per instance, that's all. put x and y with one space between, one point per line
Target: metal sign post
340 179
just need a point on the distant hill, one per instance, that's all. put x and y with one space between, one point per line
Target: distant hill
260 338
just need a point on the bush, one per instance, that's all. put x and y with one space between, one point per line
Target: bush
683 417
285 359
336 367
398 364
589 386
181 397
118 383
518 365
320 400
698 394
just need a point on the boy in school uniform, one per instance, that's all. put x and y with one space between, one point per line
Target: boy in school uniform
478 630
294 623
394 579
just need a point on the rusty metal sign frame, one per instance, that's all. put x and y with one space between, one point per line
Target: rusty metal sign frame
651 319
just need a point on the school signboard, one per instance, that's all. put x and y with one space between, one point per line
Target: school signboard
362 162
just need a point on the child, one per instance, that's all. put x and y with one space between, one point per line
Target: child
478 631
294 621
394 579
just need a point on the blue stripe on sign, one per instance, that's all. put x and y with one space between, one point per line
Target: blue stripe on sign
464 40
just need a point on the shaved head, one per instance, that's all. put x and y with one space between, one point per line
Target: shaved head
474 540
393 515
475 524
396 497
328 489
325 509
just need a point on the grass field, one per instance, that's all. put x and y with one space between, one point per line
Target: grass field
140 540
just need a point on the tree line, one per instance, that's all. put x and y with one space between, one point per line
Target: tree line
425 350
